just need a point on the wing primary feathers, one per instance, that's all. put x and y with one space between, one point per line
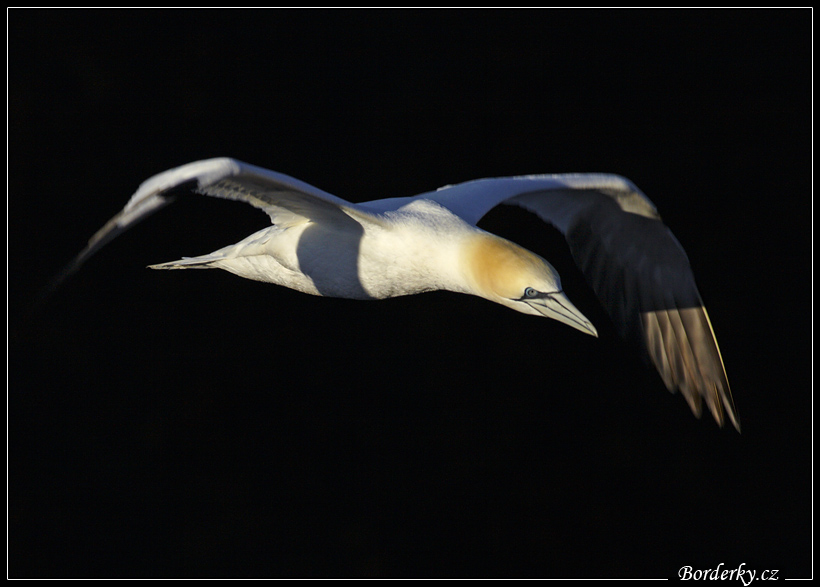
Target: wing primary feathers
641 275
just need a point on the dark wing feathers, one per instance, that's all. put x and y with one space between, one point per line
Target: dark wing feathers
642 276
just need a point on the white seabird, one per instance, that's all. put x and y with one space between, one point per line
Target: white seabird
323 245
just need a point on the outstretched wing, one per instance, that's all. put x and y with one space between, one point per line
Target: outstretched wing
634 263
285 199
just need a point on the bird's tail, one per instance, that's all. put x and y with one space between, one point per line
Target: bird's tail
203 262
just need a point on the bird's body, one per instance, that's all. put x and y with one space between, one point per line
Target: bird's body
322 245
409 251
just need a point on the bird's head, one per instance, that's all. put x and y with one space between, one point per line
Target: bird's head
508 274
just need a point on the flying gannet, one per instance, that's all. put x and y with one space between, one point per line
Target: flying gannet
322 245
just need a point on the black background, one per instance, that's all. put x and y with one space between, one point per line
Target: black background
197 424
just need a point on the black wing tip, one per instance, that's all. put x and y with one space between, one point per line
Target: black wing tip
716 395
718 400
681 344
731 410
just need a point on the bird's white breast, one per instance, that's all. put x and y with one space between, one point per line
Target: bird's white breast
418 248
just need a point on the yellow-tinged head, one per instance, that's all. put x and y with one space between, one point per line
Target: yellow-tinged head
508 274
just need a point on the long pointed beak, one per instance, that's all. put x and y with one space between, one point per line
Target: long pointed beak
558 307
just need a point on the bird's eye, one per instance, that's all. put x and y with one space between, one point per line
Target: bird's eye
530 292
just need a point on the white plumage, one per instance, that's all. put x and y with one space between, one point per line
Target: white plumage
323 245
